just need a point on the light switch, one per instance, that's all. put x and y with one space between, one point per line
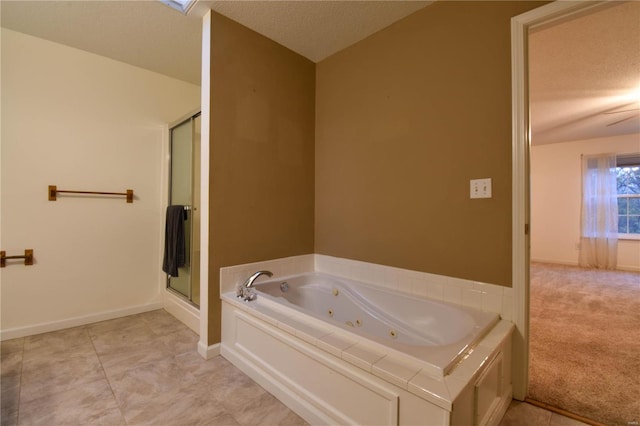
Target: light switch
480 188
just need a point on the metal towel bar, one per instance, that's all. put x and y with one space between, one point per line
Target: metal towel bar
28 257
53 191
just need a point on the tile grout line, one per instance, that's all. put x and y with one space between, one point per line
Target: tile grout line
20 382
106 376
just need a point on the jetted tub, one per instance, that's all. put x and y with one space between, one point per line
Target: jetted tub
434 332
337 351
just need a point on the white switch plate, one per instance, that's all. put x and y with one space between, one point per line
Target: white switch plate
480 188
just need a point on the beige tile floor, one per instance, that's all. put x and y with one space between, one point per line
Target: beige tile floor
144 370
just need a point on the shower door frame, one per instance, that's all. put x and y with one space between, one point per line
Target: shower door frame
186 118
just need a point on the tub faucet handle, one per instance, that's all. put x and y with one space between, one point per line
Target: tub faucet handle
240 291
248 294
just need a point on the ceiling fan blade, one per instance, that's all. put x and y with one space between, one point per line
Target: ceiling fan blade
622 110
620 121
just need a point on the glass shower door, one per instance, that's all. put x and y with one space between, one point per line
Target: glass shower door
184 139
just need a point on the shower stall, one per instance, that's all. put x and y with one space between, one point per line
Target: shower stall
184 191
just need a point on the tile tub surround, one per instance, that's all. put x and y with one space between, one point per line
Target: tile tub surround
232 276
483 296
382 363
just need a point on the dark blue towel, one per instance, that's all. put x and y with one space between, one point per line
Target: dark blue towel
174 246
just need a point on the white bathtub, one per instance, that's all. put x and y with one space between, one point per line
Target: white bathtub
342 352
430 331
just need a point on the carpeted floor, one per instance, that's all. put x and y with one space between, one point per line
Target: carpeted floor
585 342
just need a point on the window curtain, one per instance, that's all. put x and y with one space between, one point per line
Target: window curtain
599 232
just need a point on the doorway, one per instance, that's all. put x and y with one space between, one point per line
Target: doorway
545 16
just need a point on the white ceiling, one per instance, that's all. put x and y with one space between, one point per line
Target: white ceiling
583 69
146 34
580 68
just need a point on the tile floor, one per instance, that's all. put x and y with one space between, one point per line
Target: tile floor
144 370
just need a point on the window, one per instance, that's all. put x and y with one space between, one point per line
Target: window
182 6
628 183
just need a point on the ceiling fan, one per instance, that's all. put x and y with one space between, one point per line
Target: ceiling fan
637 111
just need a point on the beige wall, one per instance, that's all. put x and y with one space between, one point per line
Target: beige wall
261 145
556 183
82 122
404 119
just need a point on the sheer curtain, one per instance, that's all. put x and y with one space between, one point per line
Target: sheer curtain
599 232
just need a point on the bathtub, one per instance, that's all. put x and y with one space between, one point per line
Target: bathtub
433 332
337 351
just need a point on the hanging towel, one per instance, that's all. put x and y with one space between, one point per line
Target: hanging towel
174 245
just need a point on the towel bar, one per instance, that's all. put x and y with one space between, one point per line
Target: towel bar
28 257
53 191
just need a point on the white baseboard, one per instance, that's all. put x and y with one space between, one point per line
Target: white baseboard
30 330
208 352
186 313
628 268
557 262
554 262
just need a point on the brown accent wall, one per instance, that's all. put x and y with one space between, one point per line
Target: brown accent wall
404 119
262 153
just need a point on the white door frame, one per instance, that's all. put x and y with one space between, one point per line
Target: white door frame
520 26
204 349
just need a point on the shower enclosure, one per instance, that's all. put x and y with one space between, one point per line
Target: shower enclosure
184 190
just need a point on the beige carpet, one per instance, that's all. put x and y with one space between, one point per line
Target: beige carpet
585 342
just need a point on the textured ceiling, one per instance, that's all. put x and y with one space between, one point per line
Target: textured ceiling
151 35
579 69
317 29
582 70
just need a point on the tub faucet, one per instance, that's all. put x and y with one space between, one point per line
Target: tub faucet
243 290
